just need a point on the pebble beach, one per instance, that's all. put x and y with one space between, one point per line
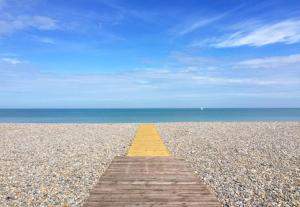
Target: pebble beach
243 163
56 164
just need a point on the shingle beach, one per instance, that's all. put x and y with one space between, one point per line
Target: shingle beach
243 163
56 164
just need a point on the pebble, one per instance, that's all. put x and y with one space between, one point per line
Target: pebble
56 164
243 163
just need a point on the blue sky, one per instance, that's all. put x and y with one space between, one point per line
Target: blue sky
150 53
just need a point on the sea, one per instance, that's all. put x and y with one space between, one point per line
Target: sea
147 115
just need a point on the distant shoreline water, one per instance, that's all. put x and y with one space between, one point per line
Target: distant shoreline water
147 115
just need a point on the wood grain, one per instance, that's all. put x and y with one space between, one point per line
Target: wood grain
150 181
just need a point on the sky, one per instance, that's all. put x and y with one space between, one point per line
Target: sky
149 54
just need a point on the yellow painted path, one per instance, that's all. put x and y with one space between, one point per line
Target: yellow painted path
147 142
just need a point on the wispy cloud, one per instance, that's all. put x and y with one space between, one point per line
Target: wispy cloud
272 62
12 61
131 87
124 11
192 60
14 24
152 78
46 40
191 25
287 32
242 81
197 24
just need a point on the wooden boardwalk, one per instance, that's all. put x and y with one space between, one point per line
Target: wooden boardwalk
150 181
149 177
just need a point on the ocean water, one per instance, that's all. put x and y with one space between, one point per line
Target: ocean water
146 115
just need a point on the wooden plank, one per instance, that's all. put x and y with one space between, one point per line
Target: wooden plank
151 204
155 187
146 183
148 191
136 181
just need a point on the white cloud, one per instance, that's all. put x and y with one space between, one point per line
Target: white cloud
196 77
289 94
192 26
240 81
46 40
13 61
272 62
287 32
26 83
190 60
43 22
13 24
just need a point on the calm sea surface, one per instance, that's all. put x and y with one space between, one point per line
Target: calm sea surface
145 115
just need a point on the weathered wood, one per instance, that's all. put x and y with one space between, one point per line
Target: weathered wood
150 181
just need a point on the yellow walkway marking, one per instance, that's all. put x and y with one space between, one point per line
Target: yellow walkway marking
147 142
